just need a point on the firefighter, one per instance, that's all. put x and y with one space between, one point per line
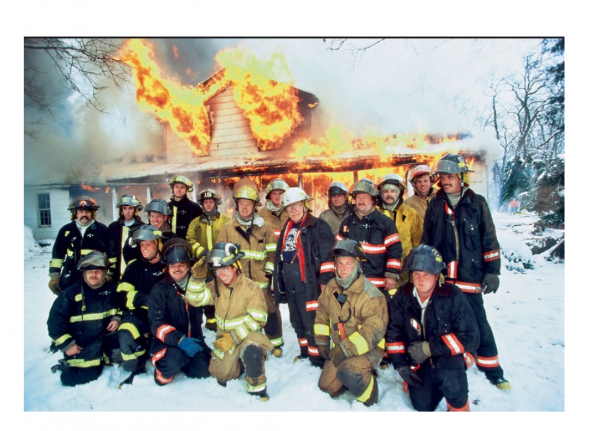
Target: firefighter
458 223
302 253
178 343
339 207
132 299
350 324
423 184
184 211
83 323
259 243
377 235
432 334
75 240
240 307
406 219
202 234
273 212
128 220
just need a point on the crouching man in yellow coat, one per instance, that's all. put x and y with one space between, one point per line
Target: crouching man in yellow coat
240 310
353 313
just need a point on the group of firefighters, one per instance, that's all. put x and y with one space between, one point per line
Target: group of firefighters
363 283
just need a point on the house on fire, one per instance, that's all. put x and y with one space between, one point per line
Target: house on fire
233 152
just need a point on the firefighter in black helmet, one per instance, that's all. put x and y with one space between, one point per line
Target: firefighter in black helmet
183 210
75 240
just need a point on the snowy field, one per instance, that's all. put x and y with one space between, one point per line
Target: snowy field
527 316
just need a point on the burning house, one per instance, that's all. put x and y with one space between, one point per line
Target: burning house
236 124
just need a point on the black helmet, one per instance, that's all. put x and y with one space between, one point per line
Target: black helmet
424 258
208 194
93 260
451 164
347 247
337 188
224 254
158 206
177 250
145 232
83 202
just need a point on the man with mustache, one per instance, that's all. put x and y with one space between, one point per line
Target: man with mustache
458 223
339 207
75 240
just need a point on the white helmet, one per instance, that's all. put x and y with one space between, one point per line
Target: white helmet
294 194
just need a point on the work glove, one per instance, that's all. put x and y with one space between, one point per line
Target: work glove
109 276
225 342
190 346
54 284
409 376
419 351
490 283
324 352
337 355
200 268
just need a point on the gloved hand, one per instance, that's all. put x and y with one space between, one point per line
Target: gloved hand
224 343
419 351
109 276
324 352
490 283
200 268
337 355
190 346
54 284
409 376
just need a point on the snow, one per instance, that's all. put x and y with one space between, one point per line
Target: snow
527 316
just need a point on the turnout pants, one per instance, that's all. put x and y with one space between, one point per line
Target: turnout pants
487 352
354 374
274 323
169 361
88 364
448 380
300 317
134 339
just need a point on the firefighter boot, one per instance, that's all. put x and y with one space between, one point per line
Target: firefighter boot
501 383
277 351
211 324
253 359
371 394
256 386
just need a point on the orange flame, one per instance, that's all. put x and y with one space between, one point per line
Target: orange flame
263 90
89 188
107 190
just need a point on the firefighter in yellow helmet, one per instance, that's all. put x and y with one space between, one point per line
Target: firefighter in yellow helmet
273 211
184 211
258 242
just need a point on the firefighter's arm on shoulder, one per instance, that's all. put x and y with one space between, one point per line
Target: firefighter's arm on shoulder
199 293
372 330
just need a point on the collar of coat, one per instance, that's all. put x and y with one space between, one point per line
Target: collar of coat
441 290
136 221
468 196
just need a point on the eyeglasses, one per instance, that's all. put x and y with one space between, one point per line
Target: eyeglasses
296 207
223 271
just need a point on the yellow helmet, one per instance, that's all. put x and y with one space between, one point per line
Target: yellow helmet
246 189
183 180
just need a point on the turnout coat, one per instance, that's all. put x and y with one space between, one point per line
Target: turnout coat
184 212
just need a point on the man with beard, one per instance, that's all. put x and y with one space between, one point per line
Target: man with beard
178 343
83 323
259 243
339 207
422 183
132 299
123 228
184 211
273 212
202 234
75 240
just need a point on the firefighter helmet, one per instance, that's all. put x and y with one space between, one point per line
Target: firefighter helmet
364 186
93 260
424 258
83 202
224 254
347 247
393 179
451 164
276 184
183 180
158 206
337 188
294 194
146 232
176 250
419 170
129 200
246 189
209 194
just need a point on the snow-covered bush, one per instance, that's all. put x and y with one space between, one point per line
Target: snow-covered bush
516 256
31 246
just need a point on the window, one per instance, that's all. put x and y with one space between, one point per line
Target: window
44 209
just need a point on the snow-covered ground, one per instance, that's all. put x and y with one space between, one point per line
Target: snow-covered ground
527 316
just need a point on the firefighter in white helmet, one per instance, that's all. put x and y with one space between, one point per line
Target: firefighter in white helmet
302 268
258 242
273 211
339 207
184 211
423 184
